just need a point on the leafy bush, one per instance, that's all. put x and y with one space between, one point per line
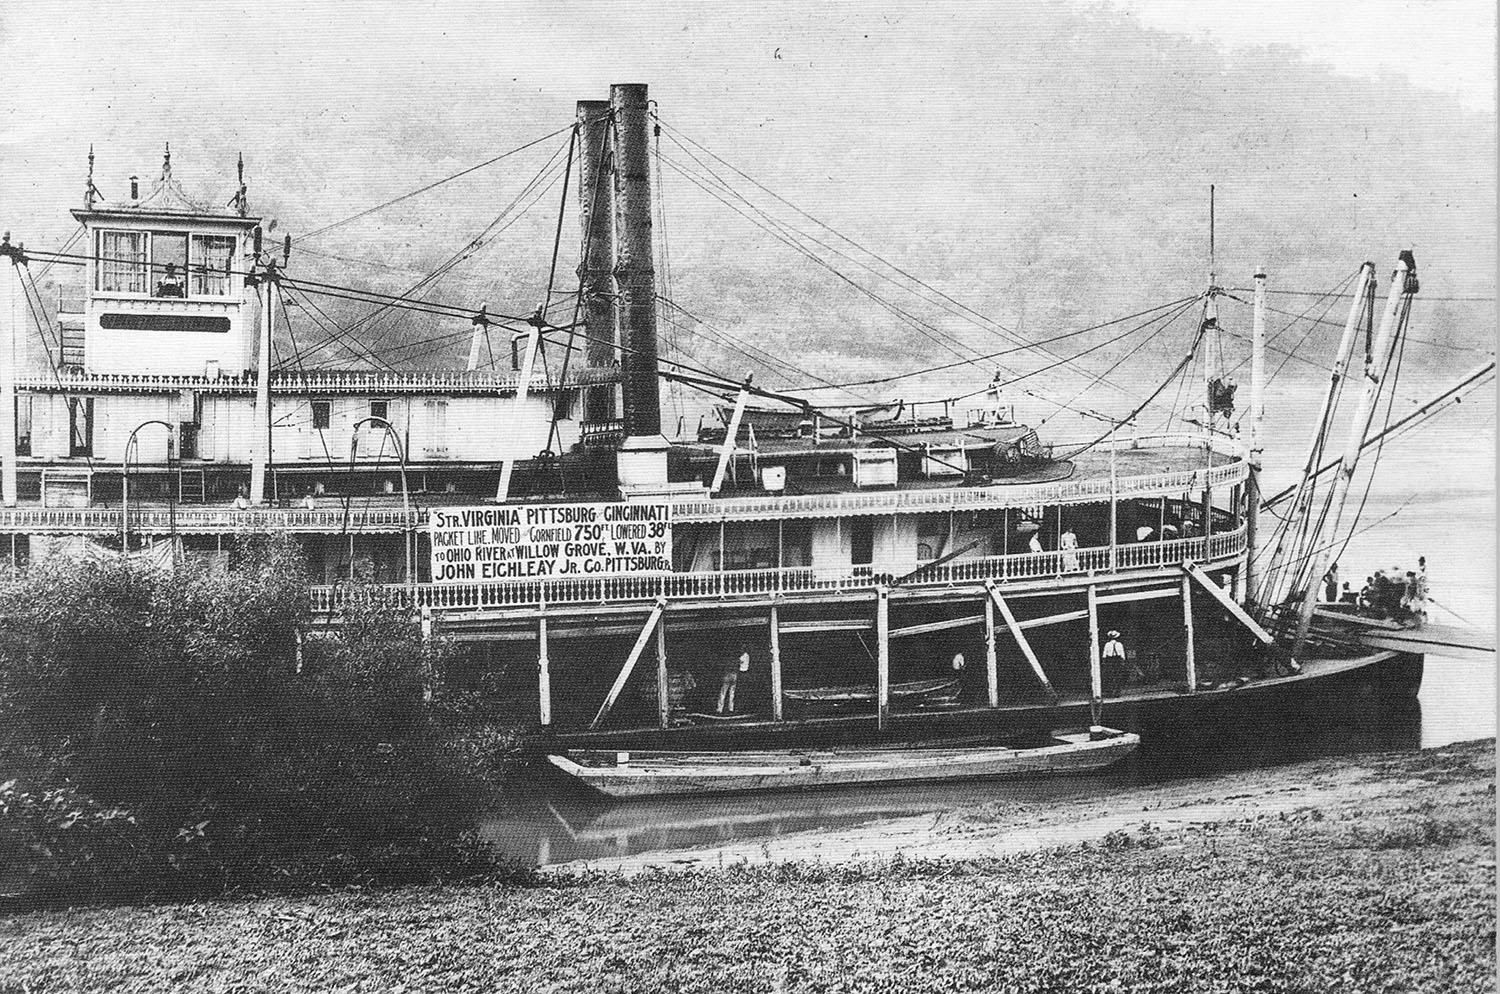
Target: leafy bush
239 736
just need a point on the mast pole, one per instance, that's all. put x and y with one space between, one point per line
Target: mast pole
1403 288
1302 504
1257 444
260 451
1211 324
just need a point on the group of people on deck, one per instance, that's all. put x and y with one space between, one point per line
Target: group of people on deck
1394 594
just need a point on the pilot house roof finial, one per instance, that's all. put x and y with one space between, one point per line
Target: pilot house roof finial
239 201
89 191
166 163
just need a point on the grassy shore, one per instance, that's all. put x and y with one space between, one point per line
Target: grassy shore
1369 890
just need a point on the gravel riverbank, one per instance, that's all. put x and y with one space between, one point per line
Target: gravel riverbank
1368 873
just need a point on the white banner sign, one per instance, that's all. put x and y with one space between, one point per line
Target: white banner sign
544 541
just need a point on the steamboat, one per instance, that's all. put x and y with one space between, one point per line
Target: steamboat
784 576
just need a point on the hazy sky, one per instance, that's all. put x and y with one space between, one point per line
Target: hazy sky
993 146
1445 45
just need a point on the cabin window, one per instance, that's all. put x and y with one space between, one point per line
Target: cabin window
81 426
380 409
932 536
122 262
322 414
213 257
23 425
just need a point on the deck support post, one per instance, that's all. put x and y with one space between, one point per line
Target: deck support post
630 661
663 697
1020 637
991 669
1187 627
543 672
775 663
883 656
1096 665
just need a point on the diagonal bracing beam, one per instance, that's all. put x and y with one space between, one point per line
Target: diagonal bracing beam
635 654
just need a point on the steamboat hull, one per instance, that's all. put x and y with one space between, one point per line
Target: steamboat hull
1326 690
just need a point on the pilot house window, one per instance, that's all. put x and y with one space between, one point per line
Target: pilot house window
321 414
212 259
122 261
168 264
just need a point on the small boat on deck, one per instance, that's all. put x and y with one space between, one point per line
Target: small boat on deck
629 775
908 690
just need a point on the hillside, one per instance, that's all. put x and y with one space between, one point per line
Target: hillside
1048 169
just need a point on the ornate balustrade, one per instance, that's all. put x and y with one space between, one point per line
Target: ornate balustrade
316 381
796 580
205 520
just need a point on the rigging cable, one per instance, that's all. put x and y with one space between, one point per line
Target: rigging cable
433 185
999 328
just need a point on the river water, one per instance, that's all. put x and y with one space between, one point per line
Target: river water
1433 496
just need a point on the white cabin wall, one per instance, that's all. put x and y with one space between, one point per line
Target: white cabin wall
831 545
49 426
488 428
895 544
117 415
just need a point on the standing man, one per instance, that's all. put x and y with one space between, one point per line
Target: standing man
1331 584
732 670
1113 664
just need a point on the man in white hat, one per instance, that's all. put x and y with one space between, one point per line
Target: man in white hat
1112 664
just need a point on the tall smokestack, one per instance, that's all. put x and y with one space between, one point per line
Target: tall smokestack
643 455
635 274
597 219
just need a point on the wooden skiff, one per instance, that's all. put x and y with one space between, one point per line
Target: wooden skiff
866 692
626 775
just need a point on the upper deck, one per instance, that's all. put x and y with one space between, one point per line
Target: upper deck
1147 466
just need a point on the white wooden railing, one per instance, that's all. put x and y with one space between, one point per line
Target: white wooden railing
318 381
205 520
795 580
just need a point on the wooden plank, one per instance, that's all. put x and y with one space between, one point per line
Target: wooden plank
543 675
1020 637
1055 619
1191 569
991 669
941 560
731 435
848 625
882 657
1453 643
775 663
635 654
937 626
1096 667
1137 595
1187 625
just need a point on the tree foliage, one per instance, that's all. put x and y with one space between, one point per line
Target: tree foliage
237 735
